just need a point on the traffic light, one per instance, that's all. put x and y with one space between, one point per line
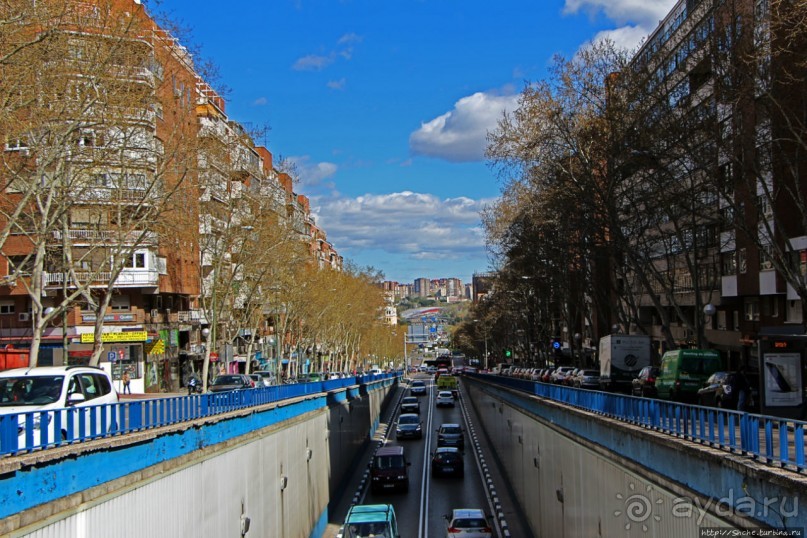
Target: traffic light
508 353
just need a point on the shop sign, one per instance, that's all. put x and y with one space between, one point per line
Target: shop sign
157 347
109 317
125 336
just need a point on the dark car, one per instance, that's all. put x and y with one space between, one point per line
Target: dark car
722 390
447 461
645 383
450 435
417 388
409 427
410 404
227 382
389 469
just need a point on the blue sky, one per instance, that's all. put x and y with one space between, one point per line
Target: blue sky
384 105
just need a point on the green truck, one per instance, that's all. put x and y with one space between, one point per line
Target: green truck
684 371
448 382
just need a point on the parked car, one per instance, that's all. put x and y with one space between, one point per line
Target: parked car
226 382
468 523
450 435
267 376
447 461
559 375
47 389
377 520
409 427
546 377
571 377
722 390
444 398
417 388
588 379
311 377
644 384
257 381
410 404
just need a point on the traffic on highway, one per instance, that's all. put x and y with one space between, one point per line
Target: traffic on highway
426 471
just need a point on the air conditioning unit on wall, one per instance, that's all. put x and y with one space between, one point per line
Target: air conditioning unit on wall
24 316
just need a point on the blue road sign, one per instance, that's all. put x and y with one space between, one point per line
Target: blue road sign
111 356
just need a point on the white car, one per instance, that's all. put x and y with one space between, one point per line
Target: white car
444 398
267 376
468 523
57 395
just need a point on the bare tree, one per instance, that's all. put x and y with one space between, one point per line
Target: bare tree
85 176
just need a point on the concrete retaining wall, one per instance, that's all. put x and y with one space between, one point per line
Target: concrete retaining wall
276 465
579 474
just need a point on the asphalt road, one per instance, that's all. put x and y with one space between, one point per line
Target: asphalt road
421 510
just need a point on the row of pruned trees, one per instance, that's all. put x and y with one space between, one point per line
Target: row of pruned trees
631 183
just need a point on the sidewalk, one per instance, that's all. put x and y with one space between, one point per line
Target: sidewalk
150 395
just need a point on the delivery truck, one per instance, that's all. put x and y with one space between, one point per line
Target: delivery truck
621 357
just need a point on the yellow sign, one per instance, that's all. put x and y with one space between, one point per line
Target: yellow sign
155 348
127 336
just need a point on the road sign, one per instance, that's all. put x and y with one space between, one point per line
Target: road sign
111 356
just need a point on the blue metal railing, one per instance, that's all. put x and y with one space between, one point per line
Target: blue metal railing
771 440
35 430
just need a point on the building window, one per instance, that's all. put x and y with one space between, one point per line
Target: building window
16 145
729 264
7 307
751 310
137 261
742 261
20 265
120 303
765 261
88 139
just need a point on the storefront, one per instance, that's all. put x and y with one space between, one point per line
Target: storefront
122 351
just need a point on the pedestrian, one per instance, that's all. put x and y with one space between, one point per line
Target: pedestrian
743 388
126 380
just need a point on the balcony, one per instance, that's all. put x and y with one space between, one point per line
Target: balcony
95 237
189 316
132 278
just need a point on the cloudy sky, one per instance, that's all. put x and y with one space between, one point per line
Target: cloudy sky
384 105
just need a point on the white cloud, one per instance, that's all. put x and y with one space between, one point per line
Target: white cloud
337 84
312 173
638 18
313 62
627 37
416 226
260 101
460 134
645 13
318 62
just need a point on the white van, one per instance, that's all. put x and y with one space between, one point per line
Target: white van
63 396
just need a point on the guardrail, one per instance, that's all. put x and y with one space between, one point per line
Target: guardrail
770 440
24 432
